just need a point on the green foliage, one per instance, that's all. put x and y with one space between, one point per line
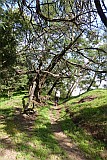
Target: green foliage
27 40
8 43
12 29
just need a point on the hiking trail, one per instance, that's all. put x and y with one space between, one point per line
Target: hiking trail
72 150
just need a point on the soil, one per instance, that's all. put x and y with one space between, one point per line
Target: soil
71 149
73 152
86 99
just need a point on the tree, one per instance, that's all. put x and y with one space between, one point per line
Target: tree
100 10
57 36
59 29
7 47
11 33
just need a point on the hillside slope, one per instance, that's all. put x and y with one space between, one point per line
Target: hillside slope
85 122
76 128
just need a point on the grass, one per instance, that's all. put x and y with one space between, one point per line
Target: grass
31 138
88 125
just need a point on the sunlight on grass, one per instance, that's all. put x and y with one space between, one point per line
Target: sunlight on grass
33 138
87 127
30 139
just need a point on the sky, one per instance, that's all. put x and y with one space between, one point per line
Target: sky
77 91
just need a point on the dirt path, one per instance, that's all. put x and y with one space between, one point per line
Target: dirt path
65 142
8 152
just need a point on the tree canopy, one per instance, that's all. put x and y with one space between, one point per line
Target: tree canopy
55 43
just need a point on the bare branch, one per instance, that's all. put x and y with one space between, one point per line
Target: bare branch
85 67
20 72
38 10
100 12
94 48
